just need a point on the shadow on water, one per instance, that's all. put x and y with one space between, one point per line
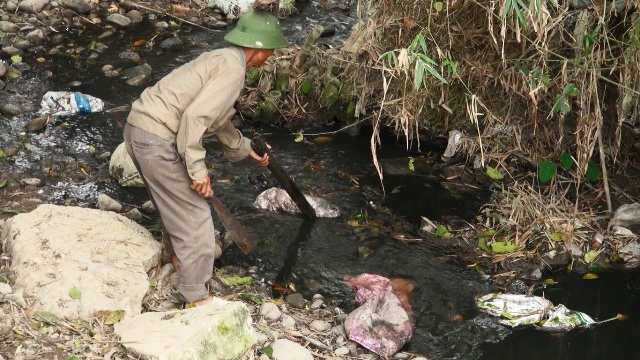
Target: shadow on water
317 256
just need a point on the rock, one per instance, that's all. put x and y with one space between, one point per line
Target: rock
31 182
133 214
288 322
35 36
138 80
10 109
5 289
36 124
129 55
79 6
219 330
32 6
106 203
121 167
135 16
143 69
284 349
319 325
296 300
102 254
119 20
172 44
270 311
148 207
341 351
275 199
3 70
17 298
9 27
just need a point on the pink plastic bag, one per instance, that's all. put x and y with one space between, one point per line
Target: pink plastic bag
381 323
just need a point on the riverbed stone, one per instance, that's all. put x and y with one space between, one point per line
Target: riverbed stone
106 203
103 255
270 311
142 69
3 70
10 109
35 36
119 20
9 27
296 300
121 167
135 16
284 349
219 330
172 44
32 6
79 6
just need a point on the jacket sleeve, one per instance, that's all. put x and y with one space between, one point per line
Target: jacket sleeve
207 111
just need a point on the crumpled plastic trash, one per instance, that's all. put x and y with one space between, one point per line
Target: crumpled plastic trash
275 199
62 103
625 215
381 323
452 145
518 310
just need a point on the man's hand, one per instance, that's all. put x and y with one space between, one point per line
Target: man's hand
261 160
203 186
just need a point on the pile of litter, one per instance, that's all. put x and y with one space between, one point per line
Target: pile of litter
519 310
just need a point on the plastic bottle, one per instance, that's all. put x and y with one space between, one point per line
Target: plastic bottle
82 102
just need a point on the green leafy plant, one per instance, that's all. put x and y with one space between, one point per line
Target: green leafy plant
414 55
548 169
562 104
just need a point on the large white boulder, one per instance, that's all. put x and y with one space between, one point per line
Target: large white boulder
121 167
104 257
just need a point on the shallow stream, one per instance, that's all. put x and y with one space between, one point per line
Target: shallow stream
316 256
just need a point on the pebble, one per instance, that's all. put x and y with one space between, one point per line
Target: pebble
31 182
296 300
341 351
319 325
270 311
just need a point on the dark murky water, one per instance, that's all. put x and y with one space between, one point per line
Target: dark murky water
317 256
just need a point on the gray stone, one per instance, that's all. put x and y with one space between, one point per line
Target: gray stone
172 44
106 203
296 300
5 289
3 70
148 207
36 36
22 45
135 16
284 349
121 167
129 55
79 6
31 182
133 214
288 322
342 351
10 109
36 124
270 311
143 69
119 20
32 6
11 7
219 330
137 80
319 325
102 254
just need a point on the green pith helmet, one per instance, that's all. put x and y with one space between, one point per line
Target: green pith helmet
258 30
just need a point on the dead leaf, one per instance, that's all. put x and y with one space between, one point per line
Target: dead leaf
409 23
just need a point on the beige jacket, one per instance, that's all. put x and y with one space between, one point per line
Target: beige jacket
194 101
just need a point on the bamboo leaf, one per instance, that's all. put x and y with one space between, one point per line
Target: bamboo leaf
419 75
590 276
590 256
75 293
494 173
114 317
442 231
482 244
566 160
46 317
592 172
547 170
502 247
433 72
299 138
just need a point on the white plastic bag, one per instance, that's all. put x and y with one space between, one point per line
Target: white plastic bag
61 103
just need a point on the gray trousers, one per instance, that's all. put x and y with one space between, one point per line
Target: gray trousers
186 216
